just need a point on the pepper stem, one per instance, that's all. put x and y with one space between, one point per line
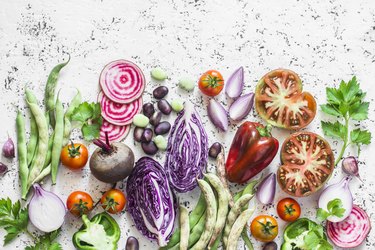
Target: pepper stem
265 131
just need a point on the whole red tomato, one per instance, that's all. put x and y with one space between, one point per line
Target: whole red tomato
113 201
79 203
288 209
74 156
211 83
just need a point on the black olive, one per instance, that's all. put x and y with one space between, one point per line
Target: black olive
149 147
147 135
155 118
162 128
132 243
160 92
148 109
138 132
164 107
270 246
215 150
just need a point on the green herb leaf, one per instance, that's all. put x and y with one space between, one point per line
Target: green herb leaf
330 109
334 208
46 242
334 96
359 111
12 218
336 129
89 116
358 137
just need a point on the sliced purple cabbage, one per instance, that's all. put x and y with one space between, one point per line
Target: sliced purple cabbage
151 201
187 150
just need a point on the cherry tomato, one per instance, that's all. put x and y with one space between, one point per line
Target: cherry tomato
288 209
74 156
264 228
113 201
79 203
211 83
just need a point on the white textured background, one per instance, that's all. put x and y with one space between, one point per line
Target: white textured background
323 41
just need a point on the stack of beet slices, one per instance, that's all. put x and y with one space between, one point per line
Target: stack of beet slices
122 83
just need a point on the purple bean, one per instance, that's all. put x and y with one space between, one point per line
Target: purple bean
164 107
148 109
147 135
214 150
162 128
155 118
149 148
160 92
138 132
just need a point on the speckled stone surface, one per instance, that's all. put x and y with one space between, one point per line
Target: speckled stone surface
323 41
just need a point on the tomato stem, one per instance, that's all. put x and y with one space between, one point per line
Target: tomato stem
73 151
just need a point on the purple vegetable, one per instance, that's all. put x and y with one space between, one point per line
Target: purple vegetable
217 115
138 132
8 148
3 168
241 107
235 83
187 150
149 148
147 135
350 166
151 201
266 189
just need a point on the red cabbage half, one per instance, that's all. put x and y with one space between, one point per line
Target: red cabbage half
151 201
187 150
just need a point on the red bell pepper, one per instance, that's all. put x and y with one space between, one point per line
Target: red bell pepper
252 150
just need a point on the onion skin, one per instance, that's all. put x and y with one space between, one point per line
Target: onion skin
357 222
235 83
266 189
241 107
217 115
8 148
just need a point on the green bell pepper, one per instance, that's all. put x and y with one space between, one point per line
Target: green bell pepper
305 234
101 232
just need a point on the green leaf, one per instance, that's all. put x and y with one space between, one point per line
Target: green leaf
336 129
91 131
334 96
359 111
359 136
83 112
349 89
336 208
45 242
322 214
12 233
330 109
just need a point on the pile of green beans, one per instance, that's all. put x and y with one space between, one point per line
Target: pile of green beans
226 222
40 156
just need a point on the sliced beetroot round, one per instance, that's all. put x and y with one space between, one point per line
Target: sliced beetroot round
122 81
117 113
352 231
115 132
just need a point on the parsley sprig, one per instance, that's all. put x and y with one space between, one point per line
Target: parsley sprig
334 208
88 115
347 103
15 220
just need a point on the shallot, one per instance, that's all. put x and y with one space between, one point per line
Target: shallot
217 115
8 148
241 107
266 189
235 83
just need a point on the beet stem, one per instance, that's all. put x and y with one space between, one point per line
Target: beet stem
103 146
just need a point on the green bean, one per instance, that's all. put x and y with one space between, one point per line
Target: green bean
49 152
33 141
49 95
217 241
249 189
194 217
38 161
220 169
57 140
46 171
223 202
233 214
77 99
185 229
22 153
211 213
197 231
246 239
237 228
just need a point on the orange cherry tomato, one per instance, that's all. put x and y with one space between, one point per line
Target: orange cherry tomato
288 209
74 156
113 201
264 228
211 83
79 203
